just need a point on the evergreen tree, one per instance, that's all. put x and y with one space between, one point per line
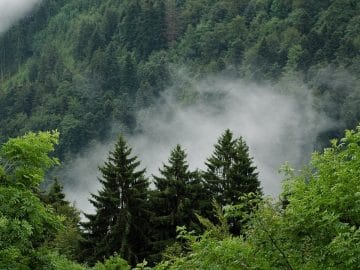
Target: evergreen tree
67 239
56 195
230 173
129 80
119 224
174 200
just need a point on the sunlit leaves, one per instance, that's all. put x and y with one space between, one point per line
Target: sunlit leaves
25 159
25 223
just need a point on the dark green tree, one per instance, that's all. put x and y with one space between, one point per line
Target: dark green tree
230 176
56 196
120 222
129 79
230 172
174 201
68 238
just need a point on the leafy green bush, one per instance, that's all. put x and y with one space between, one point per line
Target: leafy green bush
113 263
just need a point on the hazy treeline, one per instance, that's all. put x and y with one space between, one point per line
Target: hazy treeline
131 220
92 68
313 224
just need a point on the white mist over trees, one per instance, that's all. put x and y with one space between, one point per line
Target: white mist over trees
218 95
277 127
13 10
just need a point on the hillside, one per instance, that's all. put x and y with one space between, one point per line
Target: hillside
80 66
84 82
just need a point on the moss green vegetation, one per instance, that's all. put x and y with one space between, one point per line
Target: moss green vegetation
81 65
43 231
315 224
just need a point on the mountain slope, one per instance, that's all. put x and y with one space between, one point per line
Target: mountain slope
82 65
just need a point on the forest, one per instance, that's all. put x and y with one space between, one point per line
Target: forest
75 72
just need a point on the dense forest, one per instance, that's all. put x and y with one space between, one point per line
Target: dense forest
211 219
77 71
80 66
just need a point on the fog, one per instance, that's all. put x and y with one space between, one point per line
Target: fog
13 10
277 127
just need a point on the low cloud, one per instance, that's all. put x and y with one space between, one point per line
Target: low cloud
13 10
277 127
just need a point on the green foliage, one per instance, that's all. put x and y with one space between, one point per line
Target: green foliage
25 159
78 66
25 222
318 227
121 222
323 205
215 249
230 173
240 214
319 215
175 200
58 262
67 239
221 229
113 263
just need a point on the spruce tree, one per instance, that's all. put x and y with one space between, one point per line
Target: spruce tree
230 175
67 239
230 172
56 196
120 222
174 200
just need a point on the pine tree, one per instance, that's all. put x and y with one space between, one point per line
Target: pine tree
67 240
129 79
120 222
56 196
230 173
174 200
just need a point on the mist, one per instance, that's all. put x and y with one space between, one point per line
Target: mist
13 10
277 127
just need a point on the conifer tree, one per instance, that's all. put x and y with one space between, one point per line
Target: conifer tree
56 195
66 240
230 172
129 79
56 198
230 175
174 200
120 222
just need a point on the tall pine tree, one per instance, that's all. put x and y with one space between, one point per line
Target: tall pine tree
120 222
230 172
174 201
230 175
